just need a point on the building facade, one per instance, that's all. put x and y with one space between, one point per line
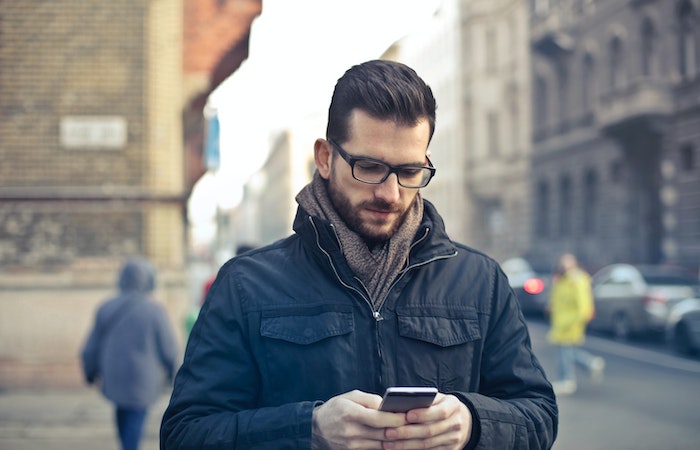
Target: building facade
616 109
475 56
91 170
101 142
268 208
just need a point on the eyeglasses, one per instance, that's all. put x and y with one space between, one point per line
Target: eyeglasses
373 171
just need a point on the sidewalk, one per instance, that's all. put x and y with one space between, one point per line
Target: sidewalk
79 419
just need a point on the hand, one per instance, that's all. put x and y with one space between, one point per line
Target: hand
447 424
352 420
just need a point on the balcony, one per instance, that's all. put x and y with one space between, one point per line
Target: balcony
554 44
641 103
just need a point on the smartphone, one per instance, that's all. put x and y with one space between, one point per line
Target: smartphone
402 399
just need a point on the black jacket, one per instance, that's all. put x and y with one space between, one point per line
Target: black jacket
287 326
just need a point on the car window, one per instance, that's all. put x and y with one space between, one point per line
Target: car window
617 281
623 275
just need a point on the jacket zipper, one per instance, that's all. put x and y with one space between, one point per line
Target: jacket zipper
335 271
413 266
376 313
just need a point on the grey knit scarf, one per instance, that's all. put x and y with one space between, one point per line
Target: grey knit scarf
377 268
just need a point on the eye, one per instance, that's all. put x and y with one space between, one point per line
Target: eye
411 172
369 166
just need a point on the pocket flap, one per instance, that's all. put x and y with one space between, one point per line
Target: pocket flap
306 329
439 330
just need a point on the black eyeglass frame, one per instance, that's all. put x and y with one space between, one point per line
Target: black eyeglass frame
351 160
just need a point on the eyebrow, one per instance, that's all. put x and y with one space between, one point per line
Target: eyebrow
423 163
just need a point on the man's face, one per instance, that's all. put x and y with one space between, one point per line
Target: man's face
375 211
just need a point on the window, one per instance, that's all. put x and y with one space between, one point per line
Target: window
687 39
491 50
542 211
493 134
541 101
495 220
587 83
565 206
648 48
616 171
563 80
590 206
514 111
616 63
687 158
540 7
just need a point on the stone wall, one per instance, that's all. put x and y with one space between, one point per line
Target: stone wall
91 170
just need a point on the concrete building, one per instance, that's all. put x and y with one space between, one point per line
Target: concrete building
617 130
475 56
566 126
268 208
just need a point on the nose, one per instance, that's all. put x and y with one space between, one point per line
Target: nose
389 189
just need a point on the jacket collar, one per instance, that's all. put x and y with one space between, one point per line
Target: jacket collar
431 240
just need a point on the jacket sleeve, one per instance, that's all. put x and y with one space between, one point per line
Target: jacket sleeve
515 405
585 297
216 388
90 354
167 347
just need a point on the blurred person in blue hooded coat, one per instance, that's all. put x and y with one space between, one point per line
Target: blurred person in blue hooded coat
131 351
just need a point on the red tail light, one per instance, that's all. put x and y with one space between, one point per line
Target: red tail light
654 299
533 286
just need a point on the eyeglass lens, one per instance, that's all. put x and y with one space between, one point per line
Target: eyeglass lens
374 172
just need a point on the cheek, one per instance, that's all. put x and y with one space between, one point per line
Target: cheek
408 196
349 188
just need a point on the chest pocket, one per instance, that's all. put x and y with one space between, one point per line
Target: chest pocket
304 329
300 344
439 326
447 344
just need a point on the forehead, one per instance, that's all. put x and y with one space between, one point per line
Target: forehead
386 139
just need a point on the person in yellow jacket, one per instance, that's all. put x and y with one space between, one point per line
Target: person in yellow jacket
570 309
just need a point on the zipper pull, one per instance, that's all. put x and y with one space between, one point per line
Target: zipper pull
377 316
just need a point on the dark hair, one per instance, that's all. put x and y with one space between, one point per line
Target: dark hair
384 90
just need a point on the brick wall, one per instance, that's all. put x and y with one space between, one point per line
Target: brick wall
76 200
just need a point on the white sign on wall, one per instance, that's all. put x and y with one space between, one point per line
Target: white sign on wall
100 132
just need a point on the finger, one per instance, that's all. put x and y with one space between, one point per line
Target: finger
424 436
364 398
446 422
443 407
362 409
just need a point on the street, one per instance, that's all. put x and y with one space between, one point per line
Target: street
648 400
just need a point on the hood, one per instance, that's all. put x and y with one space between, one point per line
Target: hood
137 275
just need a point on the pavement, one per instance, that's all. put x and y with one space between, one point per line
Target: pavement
69 419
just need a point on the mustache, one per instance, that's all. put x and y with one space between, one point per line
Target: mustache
380 205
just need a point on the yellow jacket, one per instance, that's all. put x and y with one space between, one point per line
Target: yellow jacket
570 307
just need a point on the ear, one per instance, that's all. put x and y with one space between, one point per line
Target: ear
322 155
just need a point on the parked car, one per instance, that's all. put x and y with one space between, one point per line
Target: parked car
683 326
636 299
531 287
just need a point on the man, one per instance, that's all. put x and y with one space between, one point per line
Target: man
298 340
131 350
571 308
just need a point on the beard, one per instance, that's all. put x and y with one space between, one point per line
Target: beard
372 234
